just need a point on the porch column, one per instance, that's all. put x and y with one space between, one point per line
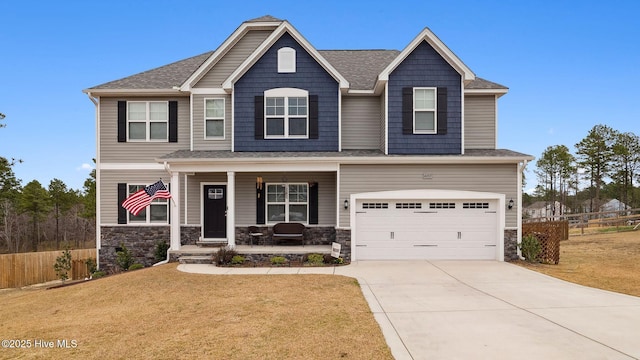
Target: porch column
231 209
175 210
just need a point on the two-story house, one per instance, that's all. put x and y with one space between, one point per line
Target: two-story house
391 153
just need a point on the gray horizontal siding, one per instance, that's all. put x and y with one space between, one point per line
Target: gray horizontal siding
194 189
109 180
485 178
233 58
138 152
361 122
246 194
480 122
199 142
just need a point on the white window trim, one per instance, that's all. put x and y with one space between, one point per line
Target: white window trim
147 210
435 111
286 202
148 122
285 93
286 60
224 109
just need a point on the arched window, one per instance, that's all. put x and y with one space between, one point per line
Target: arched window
286 60
286 113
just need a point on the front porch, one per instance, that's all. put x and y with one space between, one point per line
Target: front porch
193 254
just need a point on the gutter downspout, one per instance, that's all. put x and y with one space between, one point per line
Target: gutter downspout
166 261
521 167
96 102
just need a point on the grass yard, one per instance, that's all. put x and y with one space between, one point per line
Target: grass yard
163 313
609 261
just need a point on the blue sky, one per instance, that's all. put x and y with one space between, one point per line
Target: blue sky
569 64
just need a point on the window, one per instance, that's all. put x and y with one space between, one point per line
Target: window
286 113
375 205
147 120
424 111
477 205
157 212
287 202
286 60
214 118
442 205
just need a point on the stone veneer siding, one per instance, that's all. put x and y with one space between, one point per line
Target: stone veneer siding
511 245
140 240
189 235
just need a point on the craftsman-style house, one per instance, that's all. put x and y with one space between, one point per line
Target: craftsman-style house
390 153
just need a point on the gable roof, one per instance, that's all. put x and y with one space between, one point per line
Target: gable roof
284 27
431 38
359 70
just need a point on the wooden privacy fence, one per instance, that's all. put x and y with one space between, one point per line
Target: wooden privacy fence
549 234
22 269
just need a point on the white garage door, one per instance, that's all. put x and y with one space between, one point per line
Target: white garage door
426 229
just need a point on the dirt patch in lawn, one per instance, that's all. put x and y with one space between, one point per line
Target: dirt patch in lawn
163 313
609 261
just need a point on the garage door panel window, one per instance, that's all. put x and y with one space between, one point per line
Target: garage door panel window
287 203
375 205
408 205
478 205
442 205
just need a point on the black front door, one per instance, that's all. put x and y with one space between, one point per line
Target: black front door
215 211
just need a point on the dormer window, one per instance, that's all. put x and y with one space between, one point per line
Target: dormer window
286 60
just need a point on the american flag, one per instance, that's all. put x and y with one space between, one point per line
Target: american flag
142 198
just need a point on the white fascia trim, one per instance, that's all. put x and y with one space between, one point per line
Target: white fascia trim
275 35
255 167
495 111
209 91
442 49
361 92
498 92
222 50
191 119
138 92
386 118
325 164
233 117
339 120
131 166
462 116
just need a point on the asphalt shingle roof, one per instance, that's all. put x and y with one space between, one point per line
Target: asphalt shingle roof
360 67
352 154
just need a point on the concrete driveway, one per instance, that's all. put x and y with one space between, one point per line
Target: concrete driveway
486 310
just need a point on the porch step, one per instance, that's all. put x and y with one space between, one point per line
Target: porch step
211 244
195 259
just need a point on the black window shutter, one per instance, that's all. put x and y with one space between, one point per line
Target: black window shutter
313 117
173 121
442 111
313 203
407 111
259 119
122 121
122 195
260 204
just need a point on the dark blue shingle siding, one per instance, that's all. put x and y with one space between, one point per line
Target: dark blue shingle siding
309 76
424 67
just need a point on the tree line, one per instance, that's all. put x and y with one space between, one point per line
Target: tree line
35 218
605 165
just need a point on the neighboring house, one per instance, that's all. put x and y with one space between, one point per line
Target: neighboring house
606 205
544 209
391 153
